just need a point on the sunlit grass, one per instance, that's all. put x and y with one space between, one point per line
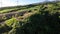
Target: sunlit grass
6 10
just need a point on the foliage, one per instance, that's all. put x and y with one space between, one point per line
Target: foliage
43 19
13 31
12 22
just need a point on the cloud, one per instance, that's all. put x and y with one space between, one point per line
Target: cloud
20 2
7 3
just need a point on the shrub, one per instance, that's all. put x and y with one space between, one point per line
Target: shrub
12 22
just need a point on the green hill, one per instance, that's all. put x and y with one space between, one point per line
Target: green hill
38 18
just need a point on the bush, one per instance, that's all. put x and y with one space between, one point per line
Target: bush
12 22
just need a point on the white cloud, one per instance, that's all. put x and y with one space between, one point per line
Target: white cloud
20 2
7 3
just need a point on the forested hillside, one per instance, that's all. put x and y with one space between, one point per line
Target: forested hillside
39 18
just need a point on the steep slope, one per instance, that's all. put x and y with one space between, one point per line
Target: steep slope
37 18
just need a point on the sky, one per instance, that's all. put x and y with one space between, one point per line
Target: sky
4 3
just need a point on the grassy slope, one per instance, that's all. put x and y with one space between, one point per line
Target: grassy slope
37 19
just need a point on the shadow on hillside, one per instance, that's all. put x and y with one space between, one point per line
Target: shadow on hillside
42 24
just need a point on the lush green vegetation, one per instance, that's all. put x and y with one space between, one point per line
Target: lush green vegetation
32 19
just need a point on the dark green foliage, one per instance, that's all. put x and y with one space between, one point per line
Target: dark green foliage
29 11
42 24
4 29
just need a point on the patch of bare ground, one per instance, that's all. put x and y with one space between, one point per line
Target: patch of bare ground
9 15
